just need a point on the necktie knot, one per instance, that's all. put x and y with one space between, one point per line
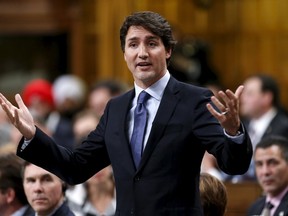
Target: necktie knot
269 205
267 209
143 97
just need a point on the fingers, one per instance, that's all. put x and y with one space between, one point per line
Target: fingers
213 111
239 91
231 99
4 101
7 107
20 102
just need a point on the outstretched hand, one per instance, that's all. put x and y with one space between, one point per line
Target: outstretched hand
228 116
19 116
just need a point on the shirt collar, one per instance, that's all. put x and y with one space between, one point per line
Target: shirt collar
20 211
157 89
276 200
262 123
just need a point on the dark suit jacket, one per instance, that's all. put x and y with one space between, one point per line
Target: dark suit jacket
167 180
257 207
63 210
29 212
278 125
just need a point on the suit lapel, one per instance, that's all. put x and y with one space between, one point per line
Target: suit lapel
123 112
165 110
283 206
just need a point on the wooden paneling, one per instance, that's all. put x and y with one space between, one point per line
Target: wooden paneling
245 36
241 196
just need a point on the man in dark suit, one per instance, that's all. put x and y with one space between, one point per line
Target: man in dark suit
271 164
261 113
13 200
165 180
45 191
261 108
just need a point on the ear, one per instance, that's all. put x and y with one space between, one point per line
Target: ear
124 56
64 187
10 195
168 53
268 98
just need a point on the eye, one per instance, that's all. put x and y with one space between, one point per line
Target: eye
29 180
132 45
152 44
47 179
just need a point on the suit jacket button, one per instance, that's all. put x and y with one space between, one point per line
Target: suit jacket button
137 178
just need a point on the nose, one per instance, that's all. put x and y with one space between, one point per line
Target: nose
265 170
37 186
143 52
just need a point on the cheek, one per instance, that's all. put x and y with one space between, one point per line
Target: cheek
56 195
282 173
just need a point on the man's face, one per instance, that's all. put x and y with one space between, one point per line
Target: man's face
98 99
271 170
252 99
43 189
145 55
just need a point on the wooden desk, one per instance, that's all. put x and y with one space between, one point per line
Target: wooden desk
241 196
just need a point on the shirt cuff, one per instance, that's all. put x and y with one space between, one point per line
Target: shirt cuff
239 138
25 144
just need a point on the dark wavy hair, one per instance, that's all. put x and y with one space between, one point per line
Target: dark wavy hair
10 176
152 22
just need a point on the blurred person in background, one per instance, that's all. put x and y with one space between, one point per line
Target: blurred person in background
262 114
13 201
100 200
191 61
95 197
101 93
69 92
44 191
84 121
209 163
213 195
38 96
271 165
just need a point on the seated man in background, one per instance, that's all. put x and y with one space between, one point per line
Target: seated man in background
13 201
45 191
213 195
262 114
271 164
101 93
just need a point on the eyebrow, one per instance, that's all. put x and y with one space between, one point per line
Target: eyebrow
41 176
151 37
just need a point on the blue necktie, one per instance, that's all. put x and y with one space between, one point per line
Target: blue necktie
140 120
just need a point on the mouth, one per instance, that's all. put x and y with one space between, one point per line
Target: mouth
143 64
267 182
39 200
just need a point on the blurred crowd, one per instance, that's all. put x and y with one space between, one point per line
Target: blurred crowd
68 110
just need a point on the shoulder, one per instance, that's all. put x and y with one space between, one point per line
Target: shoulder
188 90
64 210
257 206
